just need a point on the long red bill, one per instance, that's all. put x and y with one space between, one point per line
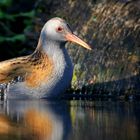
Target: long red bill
73 38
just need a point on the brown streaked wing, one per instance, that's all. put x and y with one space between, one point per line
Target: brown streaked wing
10 69
34 69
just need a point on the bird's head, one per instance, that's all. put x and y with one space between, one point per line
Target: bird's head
57 29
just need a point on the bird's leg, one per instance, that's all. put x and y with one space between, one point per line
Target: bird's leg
2 91
4 88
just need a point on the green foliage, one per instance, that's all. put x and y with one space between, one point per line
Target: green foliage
5 3
7 16
12 17
15 25
4 15
74 79
18 37
77 74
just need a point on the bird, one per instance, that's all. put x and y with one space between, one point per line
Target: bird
47 72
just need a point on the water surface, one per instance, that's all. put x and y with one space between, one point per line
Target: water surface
72 120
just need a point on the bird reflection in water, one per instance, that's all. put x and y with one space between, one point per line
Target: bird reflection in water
34 120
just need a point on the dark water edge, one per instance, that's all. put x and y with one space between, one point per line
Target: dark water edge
91 97
102 97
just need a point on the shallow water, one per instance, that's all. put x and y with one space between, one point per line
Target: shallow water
75 120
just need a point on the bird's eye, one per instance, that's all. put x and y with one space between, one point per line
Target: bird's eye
59 29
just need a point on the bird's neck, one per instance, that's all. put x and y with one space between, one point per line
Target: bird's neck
55 51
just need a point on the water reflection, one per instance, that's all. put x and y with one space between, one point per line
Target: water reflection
105 120
34 120
76 120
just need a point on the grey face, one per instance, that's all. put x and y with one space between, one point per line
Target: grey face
56 29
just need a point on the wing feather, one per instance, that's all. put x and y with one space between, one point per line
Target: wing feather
11 69
33 69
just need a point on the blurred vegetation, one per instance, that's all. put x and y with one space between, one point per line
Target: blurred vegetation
15 21
112 27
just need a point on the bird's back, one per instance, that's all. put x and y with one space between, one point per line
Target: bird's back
10 69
